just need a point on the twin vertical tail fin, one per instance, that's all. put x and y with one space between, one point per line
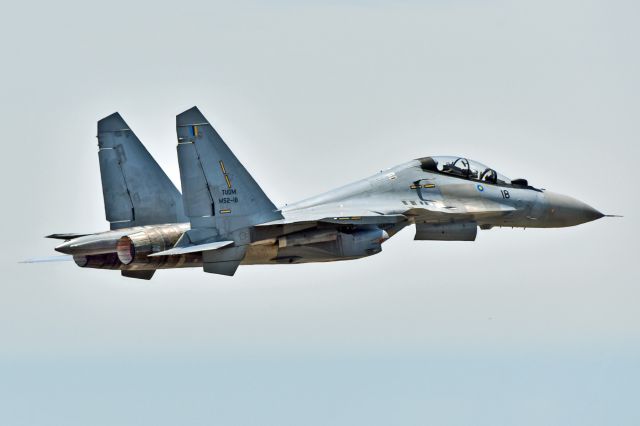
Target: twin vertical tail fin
136 190
221 198
219 193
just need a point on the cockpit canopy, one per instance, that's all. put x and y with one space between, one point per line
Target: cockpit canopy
464 168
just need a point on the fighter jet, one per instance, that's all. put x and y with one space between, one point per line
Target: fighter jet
223 219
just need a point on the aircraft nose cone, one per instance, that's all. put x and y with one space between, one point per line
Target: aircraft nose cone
567 211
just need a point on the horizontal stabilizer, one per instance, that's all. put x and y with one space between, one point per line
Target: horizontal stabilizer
192 248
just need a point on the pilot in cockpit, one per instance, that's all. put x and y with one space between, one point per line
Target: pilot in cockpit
489 176
464 168
460 167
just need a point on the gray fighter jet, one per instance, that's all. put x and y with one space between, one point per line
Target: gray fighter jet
223 219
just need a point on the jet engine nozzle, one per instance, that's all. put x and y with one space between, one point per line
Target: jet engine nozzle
135 247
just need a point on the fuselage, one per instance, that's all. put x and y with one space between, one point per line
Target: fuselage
222 218
352 221
408 187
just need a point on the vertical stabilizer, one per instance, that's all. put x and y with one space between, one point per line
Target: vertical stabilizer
136 190
219 194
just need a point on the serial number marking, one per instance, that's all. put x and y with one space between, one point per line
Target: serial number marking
227 200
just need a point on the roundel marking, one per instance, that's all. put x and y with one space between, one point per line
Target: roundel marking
480 187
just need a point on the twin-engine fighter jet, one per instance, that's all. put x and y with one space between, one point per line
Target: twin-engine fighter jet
223 219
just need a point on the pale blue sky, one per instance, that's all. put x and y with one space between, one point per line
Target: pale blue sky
535 327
